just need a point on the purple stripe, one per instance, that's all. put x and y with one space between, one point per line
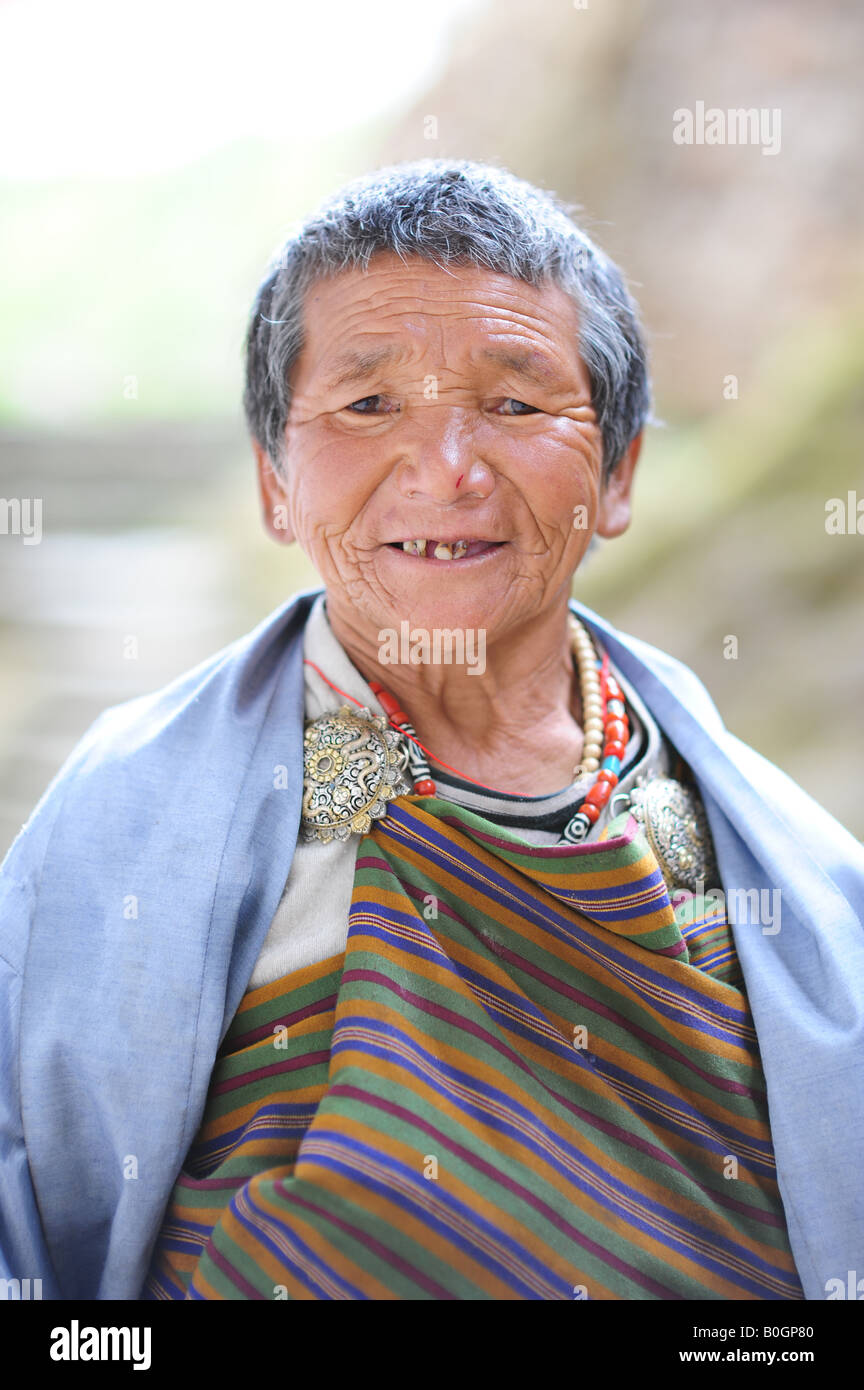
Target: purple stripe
589 898
308 1059
208 1184
232 1274
672 951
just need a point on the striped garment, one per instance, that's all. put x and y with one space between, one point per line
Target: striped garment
514 1083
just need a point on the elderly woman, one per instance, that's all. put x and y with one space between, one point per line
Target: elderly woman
434 941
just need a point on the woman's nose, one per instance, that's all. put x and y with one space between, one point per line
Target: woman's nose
441 463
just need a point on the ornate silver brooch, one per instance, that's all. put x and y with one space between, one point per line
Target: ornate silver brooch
353 763
676 827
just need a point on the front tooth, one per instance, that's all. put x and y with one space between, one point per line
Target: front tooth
421 547
443 552
459 549
414 547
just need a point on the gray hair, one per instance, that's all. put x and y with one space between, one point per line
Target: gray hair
450 212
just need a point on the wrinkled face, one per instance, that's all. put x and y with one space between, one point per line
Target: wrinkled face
448 407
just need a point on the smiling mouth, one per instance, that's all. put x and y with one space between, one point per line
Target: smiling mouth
445 550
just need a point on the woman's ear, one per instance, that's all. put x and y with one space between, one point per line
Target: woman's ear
274 504
614 512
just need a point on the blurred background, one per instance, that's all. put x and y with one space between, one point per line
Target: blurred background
153 157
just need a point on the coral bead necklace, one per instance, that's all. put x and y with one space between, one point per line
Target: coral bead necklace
606 730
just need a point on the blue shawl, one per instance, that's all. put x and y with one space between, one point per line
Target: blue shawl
134 904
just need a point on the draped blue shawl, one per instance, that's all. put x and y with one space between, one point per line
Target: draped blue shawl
110 1022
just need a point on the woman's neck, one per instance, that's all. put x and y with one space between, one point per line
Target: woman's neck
515 727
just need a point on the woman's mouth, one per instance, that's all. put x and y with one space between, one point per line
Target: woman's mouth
427 549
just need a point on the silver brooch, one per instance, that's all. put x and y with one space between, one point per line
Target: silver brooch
676 827
353 763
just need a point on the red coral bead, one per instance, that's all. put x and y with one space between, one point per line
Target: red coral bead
598 795
589 811
616 731
387 701
614 750
607 775
425 787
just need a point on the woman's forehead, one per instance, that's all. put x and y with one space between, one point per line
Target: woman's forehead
389 278
360 318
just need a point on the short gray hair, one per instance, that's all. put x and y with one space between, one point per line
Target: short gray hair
450 212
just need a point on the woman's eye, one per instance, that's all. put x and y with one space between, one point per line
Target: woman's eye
367 406
520 407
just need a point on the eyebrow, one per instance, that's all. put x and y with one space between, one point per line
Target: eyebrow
533 366
356 365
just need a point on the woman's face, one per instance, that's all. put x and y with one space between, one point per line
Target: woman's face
442 405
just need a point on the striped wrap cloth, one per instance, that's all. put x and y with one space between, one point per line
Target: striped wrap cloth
528 1076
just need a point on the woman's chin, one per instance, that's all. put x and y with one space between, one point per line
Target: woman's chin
432 612
445 592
